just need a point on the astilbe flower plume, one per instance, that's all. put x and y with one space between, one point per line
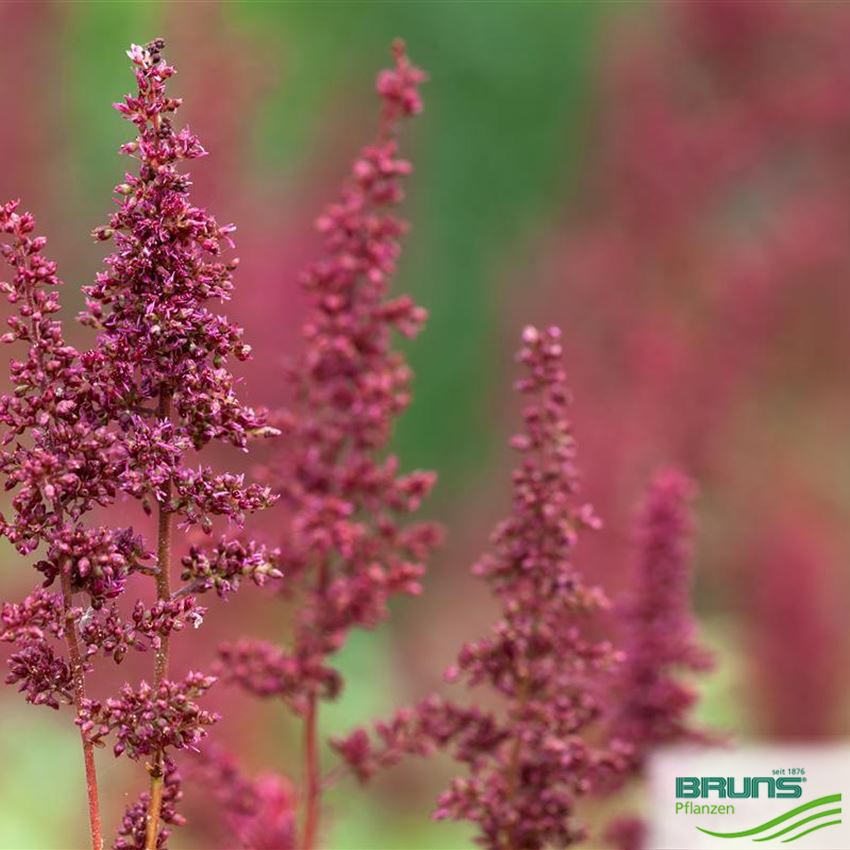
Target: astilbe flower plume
132 832
712 228
60 463
650 700
529 763
650 705
82 429
346 548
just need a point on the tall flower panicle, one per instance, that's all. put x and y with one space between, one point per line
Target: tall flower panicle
160 366
529 763
346 548
694 242
650 699
651 704
68 464
124 418
160 361
59 463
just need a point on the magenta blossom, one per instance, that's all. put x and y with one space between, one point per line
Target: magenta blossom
530 762
650 705
125 418
347 546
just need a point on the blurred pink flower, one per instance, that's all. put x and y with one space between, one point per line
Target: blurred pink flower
650 704
796 628
257 813
707 256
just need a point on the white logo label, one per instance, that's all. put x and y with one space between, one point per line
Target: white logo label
760 798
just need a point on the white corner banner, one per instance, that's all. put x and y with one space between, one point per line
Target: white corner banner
760 798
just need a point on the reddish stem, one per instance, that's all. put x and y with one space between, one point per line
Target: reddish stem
312 767
163 554
313 780
78 676
514 759
163 592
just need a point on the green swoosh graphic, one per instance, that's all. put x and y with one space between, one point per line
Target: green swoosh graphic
813 829
810 818
830 798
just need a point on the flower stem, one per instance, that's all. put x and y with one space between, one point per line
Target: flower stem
312 767
515 757
163 592
78 676
312 776
78 673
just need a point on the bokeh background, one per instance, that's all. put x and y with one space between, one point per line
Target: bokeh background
668 181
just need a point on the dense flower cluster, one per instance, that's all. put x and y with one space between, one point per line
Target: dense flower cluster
649 701
38 614
132 833
146 628
98 561
344 544
159 364
223 567
346 548
44 677
61 462
652 702
83 428
157 336
148 720
67 465
529 764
